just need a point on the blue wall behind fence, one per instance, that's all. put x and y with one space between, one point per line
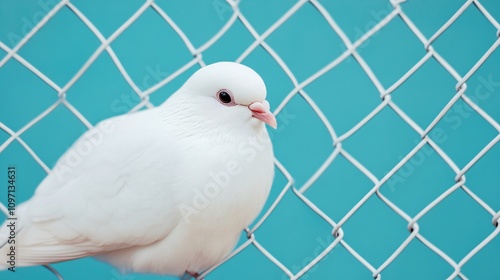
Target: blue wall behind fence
150 50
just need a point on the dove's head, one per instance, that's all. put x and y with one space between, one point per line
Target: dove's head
230 92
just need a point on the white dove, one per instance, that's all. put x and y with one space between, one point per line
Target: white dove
166 190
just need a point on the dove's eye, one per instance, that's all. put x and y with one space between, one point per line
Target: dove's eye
225 97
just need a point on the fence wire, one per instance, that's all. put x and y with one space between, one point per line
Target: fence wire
337 140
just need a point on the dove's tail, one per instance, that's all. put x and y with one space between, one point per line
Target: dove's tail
22 243
13 249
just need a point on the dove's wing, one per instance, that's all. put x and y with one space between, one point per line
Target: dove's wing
105 193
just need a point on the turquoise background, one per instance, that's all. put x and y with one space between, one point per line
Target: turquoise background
150 50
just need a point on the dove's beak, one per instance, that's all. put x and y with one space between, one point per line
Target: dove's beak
260 111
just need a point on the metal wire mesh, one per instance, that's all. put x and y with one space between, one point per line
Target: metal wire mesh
351 51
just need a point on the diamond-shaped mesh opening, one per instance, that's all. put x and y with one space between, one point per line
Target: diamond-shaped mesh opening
403 52
438 223
120 97
337 141
464 133
237 37
303 164
478 40
152 35
346 110
419 181
387 136
312 47
375 231
424 94
21 95
291 249
61 46
341 178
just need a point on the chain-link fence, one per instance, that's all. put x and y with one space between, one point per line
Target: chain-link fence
383 184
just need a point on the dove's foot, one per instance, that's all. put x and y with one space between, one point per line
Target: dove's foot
190 275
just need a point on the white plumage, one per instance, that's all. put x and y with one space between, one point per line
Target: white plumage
166 190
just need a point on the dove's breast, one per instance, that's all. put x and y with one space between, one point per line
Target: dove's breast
224 188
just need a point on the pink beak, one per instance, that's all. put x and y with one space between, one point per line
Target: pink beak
260 110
